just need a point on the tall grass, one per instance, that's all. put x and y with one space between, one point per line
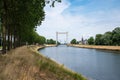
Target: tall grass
62 73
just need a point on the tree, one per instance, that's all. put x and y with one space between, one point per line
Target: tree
73 41
19 18
107 38
50 41
33 38
116 36
0 33
91 41
98 40
52 2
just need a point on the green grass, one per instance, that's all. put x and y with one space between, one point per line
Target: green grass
61 73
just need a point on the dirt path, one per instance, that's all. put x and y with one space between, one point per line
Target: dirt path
18 65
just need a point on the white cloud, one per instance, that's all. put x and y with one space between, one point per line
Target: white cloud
77 25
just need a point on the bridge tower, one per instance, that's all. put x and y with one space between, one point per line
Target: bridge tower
57 34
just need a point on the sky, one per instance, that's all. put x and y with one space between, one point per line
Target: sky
80 18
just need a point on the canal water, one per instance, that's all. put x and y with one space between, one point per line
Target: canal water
92 63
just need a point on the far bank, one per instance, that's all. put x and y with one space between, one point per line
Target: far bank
113 48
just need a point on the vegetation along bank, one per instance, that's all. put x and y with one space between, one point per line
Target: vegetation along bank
115 48
25 63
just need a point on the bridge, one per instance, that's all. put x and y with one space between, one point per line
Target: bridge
57 36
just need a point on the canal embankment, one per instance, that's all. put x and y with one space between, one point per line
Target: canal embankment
50 45
26 63
114 48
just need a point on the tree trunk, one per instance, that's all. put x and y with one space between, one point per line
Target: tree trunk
11 40
8 40
4 38
4 25
14 46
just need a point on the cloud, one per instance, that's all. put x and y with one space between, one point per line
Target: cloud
60 19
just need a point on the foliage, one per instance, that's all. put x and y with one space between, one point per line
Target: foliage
91 41
73 41
98 40
52 2
50 41
33 37
116 36
108 38
19 20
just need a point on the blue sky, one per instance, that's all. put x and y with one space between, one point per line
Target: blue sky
93 5
80 18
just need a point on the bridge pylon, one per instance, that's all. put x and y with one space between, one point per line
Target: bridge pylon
57 34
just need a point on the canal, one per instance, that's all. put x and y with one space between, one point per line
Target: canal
92 63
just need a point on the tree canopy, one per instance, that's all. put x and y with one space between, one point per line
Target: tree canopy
73 41
50 41
91 41
116 36
108 38
19 20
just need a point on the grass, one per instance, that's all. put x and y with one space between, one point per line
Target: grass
60 72
26 64
113 48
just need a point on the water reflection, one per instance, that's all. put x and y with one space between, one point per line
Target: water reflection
96 64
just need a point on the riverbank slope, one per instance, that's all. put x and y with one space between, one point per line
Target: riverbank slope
50 45
114 48
25 63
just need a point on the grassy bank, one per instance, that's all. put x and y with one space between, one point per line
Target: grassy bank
25 63
50 45
115 48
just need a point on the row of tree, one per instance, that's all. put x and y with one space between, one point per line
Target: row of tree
108 38
18 20
51 41
33 38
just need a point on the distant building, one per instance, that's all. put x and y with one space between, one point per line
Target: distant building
83 42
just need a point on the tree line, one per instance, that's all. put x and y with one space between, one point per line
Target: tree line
108 38
19 20
51 41
74 41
